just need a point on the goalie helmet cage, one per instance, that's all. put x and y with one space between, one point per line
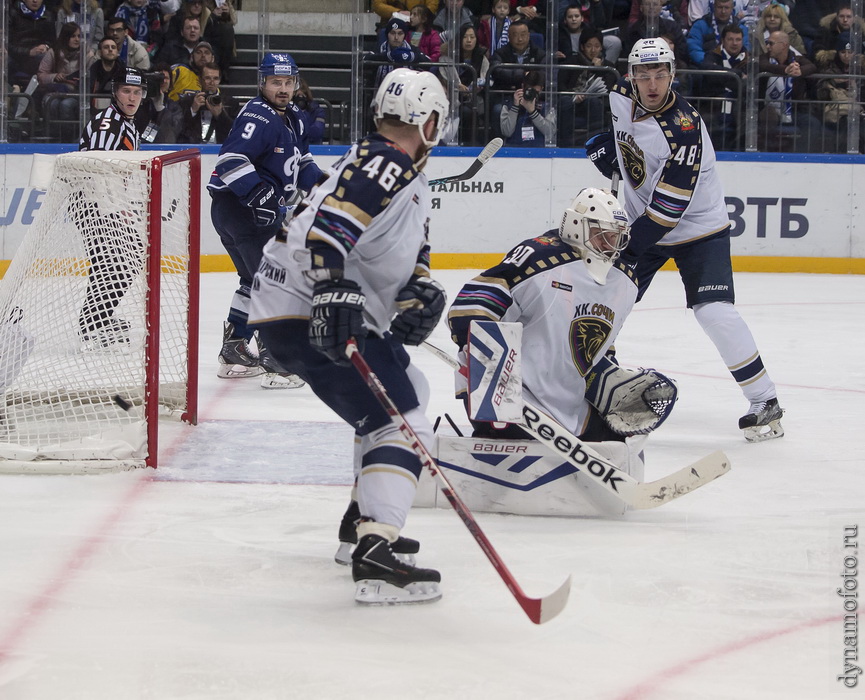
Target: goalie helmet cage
99 314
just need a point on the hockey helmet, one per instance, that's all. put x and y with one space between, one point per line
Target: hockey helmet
129 76
654 51
412 97
277 64
597 227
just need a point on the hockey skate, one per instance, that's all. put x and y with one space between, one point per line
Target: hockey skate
762 421
382 579
404 548
236 359
104 334
275 377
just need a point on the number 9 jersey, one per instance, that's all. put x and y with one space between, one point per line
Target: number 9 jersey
264 145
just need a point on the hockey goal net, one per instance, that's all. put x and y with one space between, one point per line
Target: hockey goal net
99 314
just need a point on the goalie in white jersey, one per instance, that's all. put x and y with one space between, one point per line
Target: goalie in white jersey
572 297
675 204
354 262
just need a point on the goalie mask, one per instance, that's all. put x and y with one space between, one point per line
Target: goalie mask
596 226
412 97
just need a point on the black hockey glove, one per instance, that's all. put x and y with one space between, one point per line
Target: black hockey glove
337 316
266 206
601 150
420 305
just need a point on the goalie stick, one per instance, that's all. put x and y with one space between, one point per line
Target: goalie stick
489 151
539 610
639 495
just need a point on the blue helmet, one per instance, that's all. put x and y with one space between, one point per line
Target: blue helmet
277 64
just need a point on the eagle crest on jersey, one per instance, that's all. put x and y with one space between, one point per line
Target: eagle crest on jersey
588 334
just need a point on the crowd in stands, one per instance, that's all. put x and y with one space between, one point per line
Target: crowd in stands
495 58
800 45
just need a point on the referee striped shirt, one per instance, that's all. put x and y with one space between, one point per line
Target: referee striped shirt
109 130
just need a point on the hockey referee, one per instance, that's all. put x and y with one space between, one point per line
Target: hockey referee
110 273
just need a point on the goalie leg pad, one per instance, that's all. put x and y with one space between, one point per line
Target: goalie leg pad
632 402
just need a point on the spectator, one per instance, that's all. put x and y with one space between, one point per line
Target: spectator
492 31
102 72
653 23
782 120
833 26
527 120
470 74
582 93
700 8
533 13
312 111
518 50
31 34
186 80
133 54
836 92
421 35
676 10
705 33
387 8
396 50
806 15
94 30
178 50
731 58
59 76
220 32
570 28
158 119
774 19
207 115
144 22
444 17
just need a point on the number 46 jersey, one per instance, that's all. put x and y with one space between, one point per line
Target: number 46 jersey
369 218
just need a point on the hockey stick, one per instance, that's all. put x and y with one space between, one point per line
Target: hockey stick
639 495
539 610
489 151
614 184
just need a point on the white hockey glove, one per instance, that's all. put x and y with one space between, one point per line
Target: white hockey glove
631 402
420 305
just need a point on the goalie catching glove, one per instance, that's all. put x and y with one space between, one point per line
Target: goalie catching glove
336 317
631 402
420 305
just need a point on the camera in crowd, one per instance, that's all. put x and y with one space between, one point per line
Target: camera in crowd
213 98
530 94
153 80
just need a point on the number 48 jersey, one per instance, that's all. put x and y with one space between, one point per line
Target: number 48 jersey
668 170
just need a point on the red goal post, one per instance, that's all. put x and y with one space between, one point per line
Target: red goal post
99 314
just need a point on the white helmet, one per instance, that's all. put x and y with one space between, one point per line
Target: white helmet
412 97
647 51
596 225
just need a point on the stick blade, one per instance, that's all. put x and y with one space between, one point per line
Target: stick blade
490 150
687 479
541 610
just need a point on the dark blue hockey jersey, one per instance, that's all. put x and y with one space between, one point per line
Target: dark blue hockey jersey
265 145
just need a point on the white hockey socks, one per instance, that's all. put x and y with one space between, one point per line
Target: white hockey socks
732 337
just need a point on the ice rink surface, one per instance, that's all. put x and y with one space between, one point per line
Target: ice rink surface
212 578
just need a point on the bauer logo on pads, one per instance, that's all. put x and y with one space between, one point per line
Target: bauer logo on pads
495 374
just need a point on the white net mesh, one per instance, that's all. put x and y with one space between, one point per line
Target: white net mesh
74 316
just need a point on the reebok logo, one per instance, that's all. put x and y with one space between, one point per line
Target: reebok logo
568 448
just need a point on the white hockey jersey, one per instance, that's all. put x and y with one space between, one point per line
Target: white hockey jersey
569 320
668 171
369 218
